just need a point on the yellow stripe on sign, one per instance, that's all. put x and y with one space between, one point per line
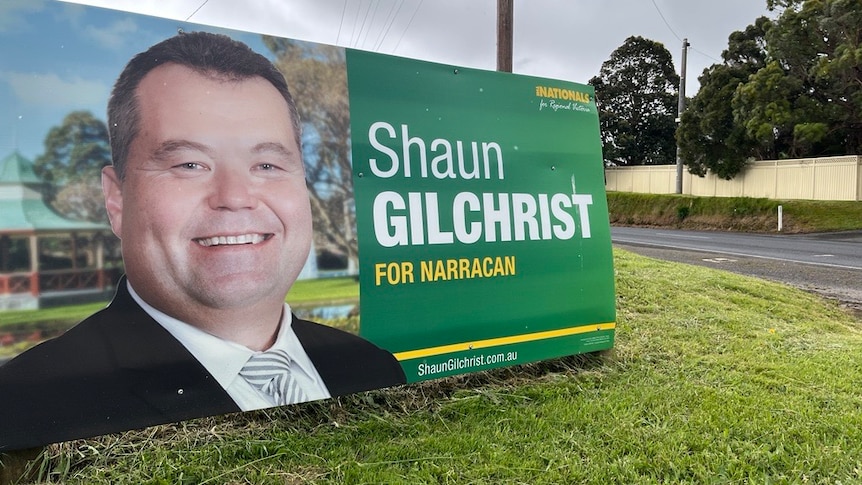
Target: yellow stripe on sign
494 342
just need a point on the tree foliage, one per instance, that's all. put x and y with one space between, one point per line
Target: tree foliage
818 44
75 152
708 136
636 91
82 200
317 77
801 97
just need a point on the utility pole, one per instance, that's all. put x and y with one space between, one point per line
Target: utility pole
680 109
505 14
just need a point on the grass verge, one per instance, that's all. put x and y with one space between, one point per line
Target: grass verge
733 213
715 378
324 291
52 321
303 292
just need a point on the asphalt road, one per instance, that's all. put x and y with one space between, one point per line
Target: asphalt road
827 264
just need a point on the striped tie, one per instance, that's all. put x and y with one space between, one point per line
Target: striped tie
270 372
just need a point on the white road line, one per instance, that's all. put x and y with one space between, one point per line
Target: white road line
732 253
682 236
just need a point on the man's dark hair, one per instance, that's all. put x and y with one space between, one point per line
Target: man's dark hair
213 55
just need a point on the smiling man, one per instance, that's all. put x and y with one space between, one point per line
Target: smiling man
207 194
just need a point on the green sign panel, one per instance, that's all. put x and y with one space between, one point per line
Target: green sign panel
476 200
481 216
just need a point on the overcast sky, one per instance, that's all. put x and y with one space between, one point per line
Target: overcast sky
561 39
58 57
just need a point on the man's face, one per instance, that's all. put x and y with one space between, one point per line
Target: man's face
213 212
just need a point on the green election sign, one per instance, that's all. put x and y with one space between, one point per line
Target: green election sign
477 200
481 216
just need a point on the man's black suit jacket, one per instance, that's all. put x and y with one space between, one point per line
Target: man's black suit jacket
119 370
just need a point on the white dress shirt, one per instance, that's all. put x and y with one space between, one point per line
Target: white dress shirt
224 359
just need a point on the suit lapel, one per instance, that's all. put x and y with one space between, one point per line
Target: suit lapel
345 362
156 367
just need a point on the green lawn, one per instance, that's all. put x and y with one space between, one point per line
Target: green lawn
324 291
69 314
715 378
305 293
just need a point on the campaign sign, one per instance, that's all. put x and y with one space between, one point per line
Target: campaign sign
482 219
252 180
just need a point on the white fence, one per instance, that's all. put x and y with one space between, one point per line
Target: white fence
833 178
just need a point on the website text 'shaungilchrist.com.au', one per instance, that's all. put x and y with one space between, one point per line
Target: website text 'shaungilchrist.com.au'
455 364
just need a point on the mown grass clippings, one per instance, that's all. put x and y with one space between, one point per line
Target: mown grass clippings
715 378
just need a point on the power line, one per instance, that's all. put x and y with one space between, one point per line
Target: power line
387 25
418 6
667 24
372 4
355 22
377 10
704 54
196 10
340 25
660 14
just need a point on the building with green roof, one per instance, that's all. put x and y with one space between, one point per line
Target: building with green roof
45 258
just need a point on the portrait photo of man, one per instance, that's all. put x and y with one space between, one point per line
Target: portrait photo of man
207 193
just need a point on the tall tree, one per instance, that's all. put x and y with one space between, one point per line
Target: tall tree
317 77
708 136
636 91
793 86
75 152
808 100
